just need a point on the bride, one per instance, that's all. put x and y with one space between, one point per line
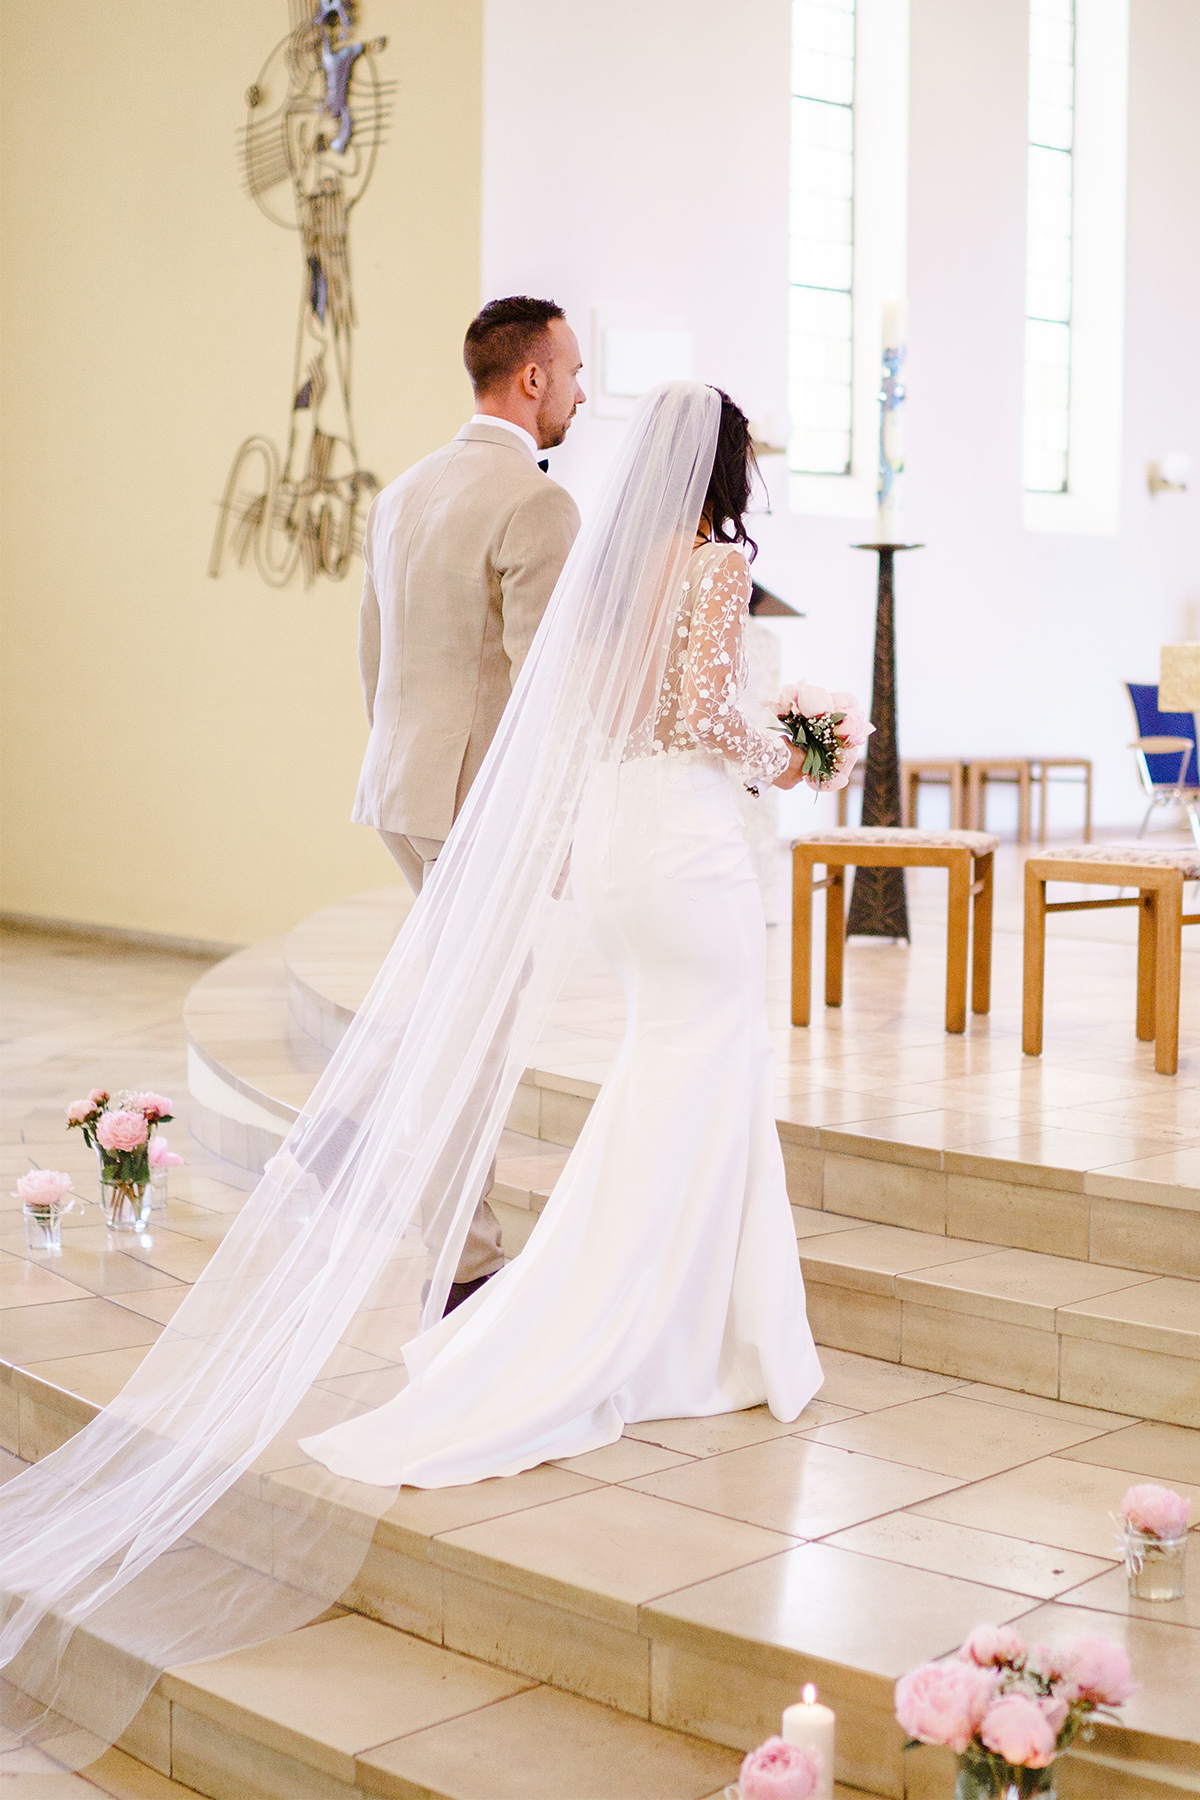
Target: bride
193 1516
662 1279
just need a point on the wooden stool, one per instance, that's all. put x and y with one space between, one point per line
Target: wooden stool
1040 767
981 770
941 771
1159 876
967 855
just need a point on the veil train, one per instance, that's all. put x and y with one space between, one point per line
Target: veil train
160 1534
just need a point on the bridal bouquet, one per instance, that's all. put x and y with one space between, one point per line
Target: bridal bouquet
831 729
119 1130
1009 1712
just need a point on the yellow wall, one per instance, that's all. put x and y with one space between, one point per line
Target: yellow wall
181 753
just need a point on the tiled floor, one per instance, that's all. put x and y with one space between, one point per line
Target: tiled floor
899 1510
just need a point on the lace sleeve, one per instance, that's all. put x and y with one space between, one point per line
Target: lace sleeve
711 678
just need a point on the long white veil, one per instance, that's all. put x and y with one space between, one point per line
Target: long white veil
163 1532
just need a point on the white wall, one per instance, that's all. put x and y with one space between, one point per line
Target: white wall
636 157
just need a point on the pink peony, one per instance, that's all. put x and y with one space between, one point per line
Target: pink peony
78 1111
43 1187
778 1770
161 1154
811 701
1017 1729
97 1097
993 1646
944 1703
1099 1671
153 1106
121 1130
1054 1710
1157 1510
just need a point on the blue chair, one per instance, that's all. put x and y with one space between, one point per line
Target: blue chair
1165 748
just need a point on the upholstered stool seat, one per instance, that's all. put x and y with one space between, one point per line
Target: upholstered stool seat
966 856
1158 875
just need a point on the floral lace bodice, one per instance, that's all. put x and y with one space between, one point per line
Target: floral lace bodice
699 700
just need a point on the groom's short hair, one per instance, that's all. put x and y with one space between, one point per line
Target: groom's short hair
506 335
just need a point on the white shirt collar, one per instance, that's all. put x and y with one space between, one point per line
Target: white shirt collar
507 425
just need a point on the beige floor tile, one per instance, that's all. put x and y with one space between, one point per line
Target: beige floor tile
950 1435
796 1486
844 1318
709 1437
123 1778
326 1693
1015 1287
1165 1660
605 1552
70 1328
88 1261
544 1745
1178 1168
1143 1381
34 1282
160 1303
1066 1504
1158 1314
1108 1591
863 1383
98 1377
1049 1409
834 1605
871 1256
812 1223
957 1343
1162 1453
417 1515
624 1460
1163 1240
971 1555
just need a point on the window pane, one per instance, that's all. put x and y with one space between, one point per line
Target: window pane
821 236
1049 245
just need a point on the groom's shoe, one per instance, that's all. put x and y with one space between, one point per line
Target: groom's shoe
462 1290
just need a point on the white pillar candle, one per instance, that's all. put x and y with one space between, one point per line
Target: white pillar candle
810 1725
890 520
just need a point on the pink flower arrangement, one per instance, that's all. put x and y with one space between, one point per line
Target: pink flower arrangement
831 729
154 1107
1158 1511
43 1188
944 1703
778 1770
1017 1729
1004 1708
161 1155
121 1130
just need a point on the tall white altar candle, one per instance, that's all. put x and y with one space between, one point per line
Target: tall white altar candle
892 394
811 1725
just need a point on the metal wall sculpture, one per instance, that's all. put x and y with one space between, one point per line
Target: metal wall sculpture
316 116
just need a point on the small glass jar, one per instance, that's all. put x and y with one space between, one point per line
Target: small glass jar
43 1227
159 1189
1155 1565
126 1205
987 1778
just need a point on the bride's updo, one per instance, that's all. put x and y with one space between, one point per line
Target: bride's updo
734 468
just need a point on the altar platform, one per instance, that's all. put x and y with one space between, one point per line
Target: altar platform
1001 1258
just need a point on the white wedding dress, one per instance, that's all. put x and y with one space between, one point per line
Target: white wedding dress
662 1280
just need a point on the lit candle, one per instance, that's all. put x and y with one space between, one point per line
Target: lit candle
890 521
811 1725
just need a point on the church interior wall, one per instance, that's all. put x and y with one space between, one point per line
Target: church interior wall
661 151
182 753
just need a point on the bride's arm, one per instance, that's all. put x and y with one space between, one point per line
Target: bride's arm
710 693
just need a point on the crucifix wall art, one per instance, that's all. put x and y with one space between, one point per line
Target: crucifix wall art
315 121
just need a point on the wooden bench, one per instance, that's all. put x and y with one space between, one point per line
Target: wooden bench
1158 875
966 855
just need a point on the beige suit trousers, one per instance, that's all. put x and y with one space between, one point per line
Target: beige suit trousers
483 1251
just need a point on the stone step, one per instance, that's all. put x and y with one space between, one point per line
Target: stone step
695 1574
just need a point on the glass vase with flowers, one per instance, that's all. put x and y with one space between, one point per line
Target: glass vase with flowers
119 1129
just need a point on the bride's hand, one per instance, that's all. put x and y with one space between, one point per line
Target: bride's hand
791 775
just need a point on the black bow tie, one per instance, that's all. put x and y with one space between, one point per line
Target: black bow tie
544 465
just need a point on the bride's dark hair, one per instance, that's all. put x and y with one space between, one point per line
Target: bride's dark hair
733 470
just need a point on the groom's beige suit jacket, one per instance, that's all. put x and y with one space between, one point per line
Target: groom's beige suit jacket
462 553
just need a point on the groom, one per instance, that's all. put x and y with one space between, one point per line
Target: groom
462 553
